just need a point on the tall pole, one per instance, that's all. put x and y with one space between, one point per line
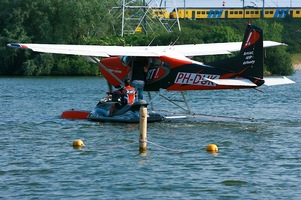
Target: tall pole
122 23
184 9
143 130
262 13
144 17
243 7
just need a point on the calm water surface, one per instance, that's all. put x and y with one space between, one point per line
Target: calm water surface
257 159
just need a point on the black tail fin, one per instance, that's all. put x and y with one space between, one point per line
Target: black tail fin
249 62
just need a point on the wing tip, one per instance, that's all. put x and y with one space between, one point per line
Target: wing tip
17 45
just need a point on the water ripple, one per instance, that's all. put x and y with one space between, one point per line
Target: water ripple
257 159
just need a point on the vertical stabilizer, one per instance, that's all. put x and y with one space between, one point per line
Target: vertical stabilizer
249 62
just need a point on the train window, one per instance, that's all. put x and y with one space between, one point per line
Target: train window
256 12
247 12
252 12
298 12
203 12
231 12
198 12
280 12
216 12
240 12
266 12
236 12
207 12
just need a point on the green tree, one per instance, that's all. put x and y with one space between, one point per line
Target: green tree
221 34
74 66
277 60
40 65
12 18
47 21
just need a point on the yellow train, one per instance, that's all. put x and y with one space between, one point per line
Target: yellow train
227 13
160 13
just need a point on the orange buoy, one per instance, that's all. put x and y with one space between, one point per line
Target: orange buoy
212 148
78 143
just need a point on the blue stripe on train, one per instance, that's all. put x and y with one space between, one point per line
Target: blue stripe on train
281 13
215 14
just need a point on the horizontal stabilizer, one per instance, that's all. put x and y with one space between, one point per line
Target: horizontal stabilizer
232 82
270 81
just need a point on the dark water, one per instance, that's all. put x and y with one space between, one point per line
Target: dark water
257 159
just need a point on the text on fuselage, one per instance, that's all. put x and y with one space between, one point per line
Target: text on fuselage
195 79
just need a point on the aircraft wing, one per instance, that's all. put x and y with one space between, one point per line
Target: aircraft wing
85 50
216 48
144 51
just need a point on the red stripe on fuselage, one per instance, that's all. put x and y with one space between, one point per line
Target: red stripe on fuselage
174 62
114 65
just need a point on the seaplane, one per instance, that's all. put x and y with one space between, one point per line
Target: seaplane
170 68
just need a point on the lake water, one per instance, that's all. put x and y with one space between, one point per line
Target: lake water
257 159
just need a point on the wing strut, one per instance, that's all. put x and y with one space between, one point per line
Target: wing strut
161 94
187 106
151 100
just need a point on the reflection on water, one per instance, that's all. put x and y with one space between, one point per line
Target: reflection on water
257 158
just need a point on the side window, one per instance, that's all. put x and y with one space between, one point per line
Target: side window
126 60
155 62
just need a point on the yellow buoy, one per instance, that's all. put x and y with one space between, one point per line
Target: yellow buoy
78 143
212 148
